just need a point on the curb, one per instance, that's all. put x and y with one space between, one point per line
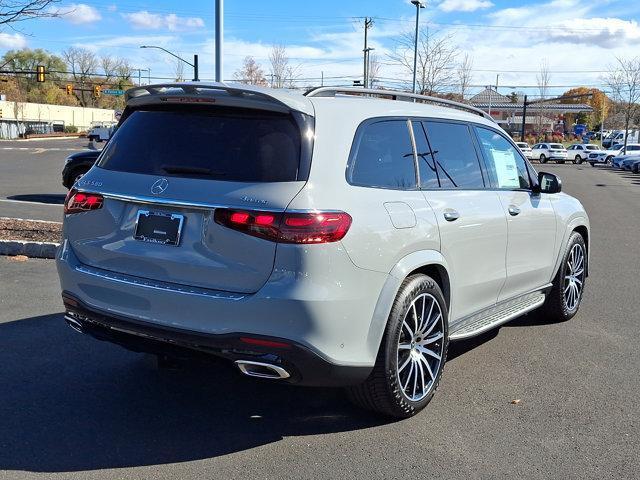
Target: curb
29 249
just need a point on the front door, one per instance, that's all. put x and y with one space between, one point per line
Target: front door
531 220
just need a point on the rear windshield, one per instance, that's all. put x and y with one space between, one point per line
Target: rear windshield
592 147
557 146
220 144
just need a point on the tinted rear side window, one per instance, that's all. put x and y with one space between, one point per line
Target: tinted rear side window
455 156
383 157
228 145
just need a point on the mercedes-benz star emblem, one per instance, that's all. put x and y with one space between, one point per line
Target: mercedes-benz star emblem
159 186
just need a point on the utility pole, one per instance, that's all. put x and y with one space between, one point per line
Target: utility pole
322 78
418 4
368 23
524 116
491 92
219 27
195 69
604 106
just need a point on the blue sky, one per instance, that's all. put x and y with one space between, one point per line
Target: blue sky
578 39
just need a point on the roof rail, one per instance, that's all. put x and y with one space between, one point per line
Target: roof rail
395 95
219 93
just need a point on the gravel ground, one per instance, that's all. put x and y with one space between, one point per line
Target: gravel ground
30 230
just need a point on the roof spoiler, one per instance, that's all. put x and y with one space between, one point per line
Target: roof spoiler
395 95
247 96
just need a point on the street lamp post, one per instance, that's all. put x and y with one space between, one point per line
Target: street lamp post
418 5
219 38
194 65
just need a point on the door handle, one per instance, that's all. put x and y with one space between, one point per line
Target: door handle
451 215
513 210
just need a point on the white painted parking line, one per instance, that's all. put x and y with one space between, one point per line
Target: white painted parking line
42 150
7 200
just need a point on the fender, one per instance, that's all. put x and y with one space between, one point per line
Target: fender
396 276
578 221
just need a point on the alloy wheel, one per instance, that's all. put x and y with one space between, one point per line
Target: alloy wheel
420 346
574 277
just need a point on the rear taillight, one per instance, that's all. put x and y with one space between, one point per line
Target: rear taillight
312 227
77 202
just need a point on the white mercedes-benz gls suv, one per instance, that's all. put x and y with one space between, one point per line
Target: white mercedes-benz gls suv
341 237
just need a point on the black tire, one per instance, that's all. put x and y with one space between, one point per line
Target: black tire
382 392
578 159
555 306
593 164
543 158
608 160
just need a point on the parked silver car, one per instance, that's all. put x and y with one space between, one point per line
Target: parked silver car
324 239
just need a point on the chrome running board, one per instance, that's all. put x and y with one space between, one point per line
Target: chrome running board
495 316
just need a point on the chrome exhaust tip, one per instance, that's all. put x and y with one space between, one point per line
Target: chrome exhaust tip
73 323
262 370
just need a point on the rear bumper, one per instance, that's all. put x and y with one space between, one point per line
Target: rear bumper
303 365
316 299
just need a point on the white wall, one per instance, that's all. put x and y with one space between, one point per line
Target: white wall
78 116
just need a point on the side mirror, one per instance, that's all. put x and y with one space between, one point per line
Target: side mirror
548 183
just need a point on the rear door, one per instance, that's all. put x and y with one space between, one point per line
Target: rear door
165 172
473 227
391 218
531 220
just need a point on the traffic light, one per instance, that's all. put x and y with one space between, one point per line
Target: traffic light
40 71
69 89
97 90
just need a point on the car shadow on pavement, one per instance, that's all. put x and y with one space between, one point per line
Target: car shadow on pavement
460 347
71 403
52 198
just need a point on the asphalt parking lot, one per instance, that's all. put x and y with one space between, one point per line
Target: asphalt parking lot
73 407
31 179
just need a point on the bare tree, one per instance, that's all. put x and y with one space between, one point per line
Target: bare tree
465 74
109 67
543 78
124 71
251 72
82 65
374 70
279 66
12 11
436 55
178 70
292 73
624 82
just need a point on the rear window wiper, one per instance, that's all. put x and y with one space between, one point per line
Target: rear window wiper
191 170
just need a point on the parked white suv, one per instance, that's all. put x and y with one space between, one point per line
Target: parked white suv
525 149
607 156
549 151
580 151
324 239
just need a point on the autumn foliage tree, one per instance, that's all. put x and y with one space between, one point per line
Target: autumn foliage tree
251 73
595 98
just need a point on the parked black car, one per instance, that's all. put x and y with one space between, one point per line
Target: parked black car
77 165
